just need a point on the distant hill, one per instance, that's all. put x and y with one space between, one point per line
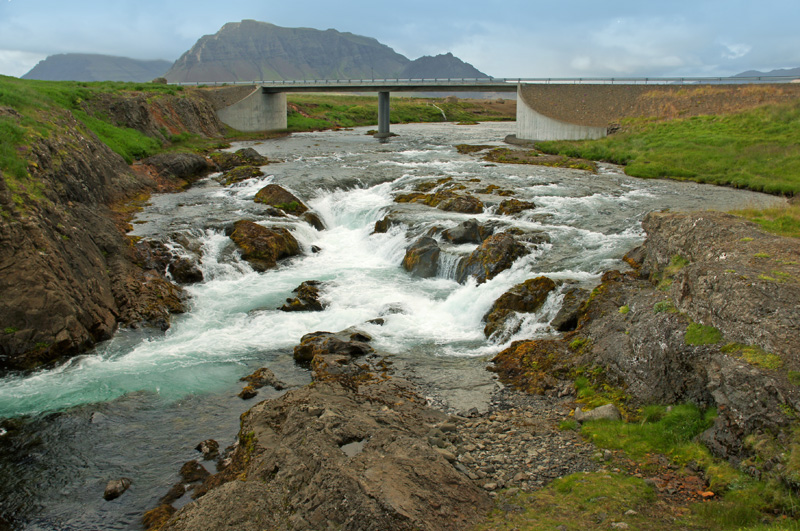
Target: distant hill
95 67
252 51
440 66
785 72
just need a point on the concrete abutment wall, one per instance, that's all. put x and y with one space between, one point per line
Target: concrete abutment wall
259 111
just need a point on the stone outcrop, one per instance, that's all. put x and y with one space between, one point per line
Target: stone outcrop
422 257
526 297
509 207
354 451
709 315
467 232
226 160
494 255
261 246
277 196
70 277
566 319
307 299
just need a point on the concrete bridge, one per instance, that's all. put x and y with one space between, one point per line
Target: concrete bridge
547 109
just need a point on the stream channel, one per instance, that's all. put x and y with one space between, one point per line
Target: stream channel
137 405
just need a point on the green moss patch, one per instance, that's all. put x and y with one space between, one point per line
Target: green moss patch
698 334
754 355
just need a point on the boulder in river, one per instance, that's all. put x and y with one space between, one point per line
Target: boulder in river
494 255
261 246
526 297
115 488
240 173
328 343
465 204
279 197
466 232
509 207
226 160
422 257
307 299
263 377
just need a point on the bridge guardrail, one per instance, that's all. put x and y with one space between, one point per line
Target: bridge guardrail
454 82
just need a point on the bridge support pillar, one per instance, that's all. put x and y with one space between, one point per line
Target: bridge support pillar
383 115
259 111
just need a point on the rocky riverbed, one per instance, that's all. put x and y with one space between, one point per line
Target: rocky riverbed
415 392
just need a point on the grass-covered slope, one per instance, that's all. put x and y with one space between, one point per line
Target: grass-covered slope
758 149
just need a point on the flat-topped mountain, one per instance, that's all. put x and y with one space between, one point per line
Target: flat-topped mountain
96 67
252 51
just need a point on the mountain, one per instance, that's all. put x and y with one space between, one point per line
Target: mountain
785 72
252 51
440 66
95 67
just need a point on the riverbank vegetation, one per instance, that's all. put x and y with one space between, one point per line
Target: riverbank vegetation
757 149
654 475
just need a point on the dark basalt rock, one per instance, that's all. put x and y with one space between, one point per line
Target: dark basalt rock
279 197
314 220
509 207
209 448
465 204
187 166
494 255
239 174
192 472
307 299
116 488
527 297
467 232
567 317
422 258
226 160
264 377
262 247
327 343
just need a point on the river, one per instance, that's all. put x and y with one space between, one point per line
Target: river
138 404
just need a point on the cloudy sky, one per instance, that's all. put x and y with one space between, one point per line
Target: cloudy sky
510 38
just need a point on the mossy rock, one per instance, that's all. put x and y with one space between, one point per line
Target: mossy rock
241 173
262 247
509 207
494 255
534 366
526 297
277 196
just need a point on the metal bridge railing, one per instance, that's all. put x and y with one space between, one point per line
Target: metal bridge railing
454 82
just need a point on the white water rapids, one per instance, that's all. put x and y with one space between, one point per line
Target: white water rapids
138 404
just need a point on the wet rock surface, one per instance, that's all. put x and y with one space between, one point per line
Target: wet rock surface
307 300
276 196
638 328
261 246
422 257
494 255
523 298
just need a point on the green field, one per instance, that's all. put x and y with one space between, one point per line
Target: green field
328 111
758 149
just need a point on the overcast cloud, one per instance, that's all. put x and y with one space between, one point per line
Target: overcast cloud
525 38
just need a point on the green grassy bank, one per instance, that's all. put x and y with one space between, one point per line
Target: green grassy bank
756 149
